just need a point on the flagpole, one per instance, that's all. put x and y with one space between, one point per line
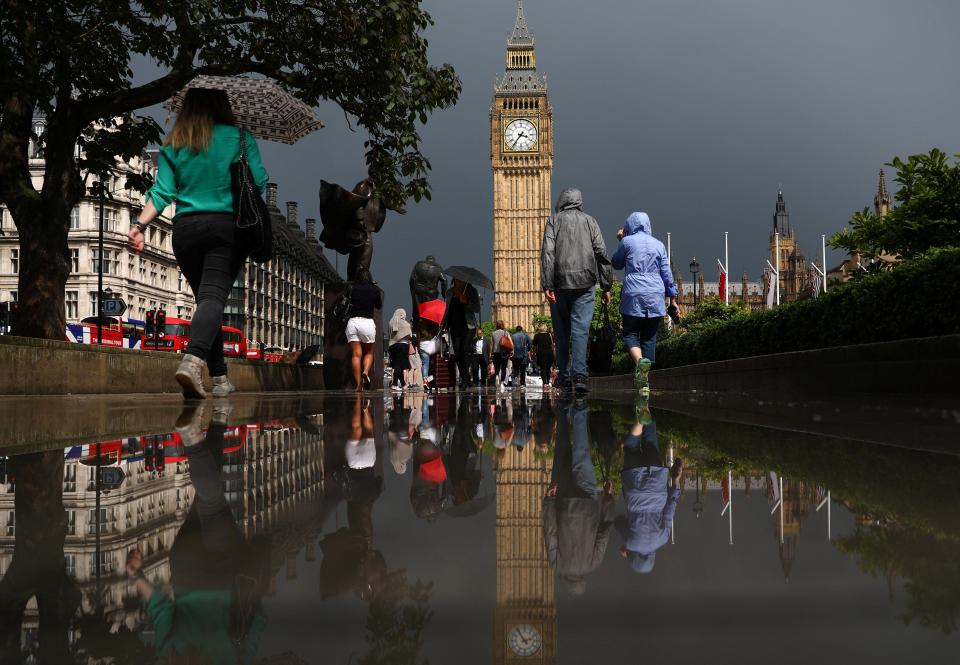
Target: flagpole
726 268
823 247
669 250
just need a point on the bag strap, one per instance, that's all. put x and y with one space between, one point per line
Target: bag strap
243 145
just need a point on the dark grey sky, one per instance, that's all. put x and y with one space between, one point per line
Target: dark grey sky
692 111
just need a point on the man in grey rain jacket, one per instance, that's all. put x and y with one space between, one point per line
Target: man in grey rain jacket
573 260
577 519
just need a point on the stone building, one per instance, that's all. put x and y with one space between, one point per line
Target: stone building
745 291
521 155
882 202
149 280
281 303
794 275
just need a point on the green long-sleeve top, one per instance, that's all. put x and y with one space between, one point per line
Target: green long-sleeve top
200 181
200 621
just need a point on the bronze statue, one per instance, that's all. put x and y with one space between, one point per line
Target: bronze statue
349 221
426 283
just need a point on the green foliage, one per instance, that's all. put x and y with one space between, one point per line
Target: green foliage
712 310
397 617
542 319
917 299
927 217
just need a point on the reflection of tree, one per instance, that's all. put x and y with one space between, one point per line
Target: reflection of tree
38 567
928 563
97 642
398 614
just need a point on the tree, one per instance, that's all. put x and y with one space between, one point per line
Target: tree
70 60
927 217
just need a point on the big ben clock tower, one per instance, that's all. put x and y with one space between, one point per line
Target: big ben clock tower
521 153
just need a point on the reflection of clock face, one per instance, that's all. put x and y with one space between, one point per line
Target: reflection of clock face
524 640
520 135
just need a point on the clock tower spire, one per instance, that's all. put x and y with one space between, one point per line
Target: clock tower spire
521 155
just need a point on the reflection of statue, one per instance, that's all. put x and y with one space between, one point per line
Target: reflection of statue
426 283
349 221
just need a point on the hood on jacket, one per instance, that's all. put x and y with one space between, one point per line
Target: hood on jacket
637 222
569 198
642 563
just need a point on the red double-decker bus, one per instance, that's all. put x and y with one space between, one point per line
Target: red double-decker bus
176 337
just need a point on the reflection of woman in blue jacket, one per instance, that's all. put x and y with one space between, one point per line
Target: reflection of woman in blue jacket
647 282
650 495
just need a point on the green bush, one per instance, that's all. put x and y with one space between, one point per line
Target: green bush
917 299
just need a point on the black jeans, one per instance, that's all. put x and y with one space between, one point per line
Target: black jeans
479 370
462 340
545 363
519 375
210 259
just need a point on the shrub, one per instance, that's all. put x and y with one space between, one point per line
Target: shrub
917 299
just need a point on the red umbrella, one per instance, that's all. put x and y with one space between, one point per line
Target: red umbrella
434 472
433 310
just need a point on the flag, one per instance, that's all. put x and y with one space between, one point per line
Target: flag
723 285
816 283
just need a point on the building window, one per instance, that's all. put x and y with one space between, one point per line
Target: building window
74 260
71 522
163 277
111 219
93 303
143 270
14 261
75 218
163 239
71 562
153 274
111 261
72 303
130 264
11 523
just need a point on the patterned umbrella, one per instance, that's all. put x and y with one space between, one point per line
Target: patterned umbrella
267 110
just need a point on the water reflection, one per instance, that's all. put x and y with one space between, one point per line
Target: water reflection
218 525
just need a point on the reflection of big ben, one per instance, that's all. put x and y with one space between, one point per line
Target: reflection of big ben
521 153
525 623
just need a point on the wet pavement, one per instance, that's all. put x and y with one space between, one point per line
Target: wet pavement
326 528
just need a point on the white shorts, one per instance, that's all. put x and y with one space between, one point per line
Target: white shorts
360 329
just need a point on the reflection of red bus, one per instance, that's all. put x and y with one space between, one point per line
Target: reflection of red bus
156 450
121 333
269 354
177 337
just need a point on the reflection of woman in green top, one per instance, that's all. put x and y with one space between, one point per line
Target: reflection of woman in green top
194 173
214 614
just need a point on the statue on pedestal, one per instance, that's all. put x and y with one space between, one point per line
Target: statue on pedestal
349 221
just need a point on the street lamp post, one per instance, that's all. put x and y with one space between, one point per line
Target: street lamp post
694 269
99 190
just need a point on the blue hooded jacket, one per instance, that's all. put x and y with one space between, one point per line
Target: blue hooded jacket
647 279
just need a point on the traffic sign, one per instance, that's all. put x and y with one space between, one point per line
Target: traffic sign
111 477
113 307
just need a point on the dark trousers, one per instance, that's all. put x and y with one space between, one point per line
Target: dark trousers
462 341
519 371
479 369
210 258
545 363
500 366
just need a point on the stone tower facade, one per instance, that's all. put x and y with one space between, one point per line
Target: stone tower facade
882 201
525 621
521 154
790 263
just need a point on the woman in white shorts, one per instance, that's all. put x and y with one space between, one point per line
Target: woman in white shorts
365 299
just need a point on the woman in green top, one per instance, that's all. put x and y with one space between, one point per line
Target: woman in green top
194 174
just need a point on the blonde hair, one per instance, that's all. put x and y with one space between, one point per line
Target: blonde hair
202 109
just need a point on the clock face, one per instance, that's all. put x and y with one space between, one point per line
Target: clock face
520 135
524 640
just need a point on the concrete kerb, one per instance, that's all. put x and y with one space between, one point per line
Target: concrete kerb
904 367
52 367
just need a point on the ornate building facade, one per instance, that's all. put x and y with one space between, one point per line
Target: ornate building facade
521 154
882 202
794 277
525 621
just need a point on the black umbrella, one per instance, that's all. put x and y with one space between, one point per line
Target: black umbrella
470 276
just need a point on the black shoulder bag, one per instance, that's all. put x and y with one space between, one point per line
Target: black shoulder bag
254 226
603 341
343 308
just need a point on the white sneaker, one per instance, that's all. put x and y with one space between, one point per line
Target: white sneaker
397 388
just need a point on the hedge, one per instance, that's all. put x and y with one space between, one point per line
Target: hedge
920 298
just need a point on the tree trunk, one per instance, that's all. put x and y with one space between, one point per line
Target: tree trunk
38 567
44 268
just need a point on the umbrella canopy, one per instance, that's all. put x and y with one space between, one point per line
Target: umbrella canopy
260 105
470 276
433 310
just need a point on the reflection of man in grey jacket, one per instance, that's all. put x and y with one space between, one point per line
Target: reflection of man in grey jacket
576 519
573 259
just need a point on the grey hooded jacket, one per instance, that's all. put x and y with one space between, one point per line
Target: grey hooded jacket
573 255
